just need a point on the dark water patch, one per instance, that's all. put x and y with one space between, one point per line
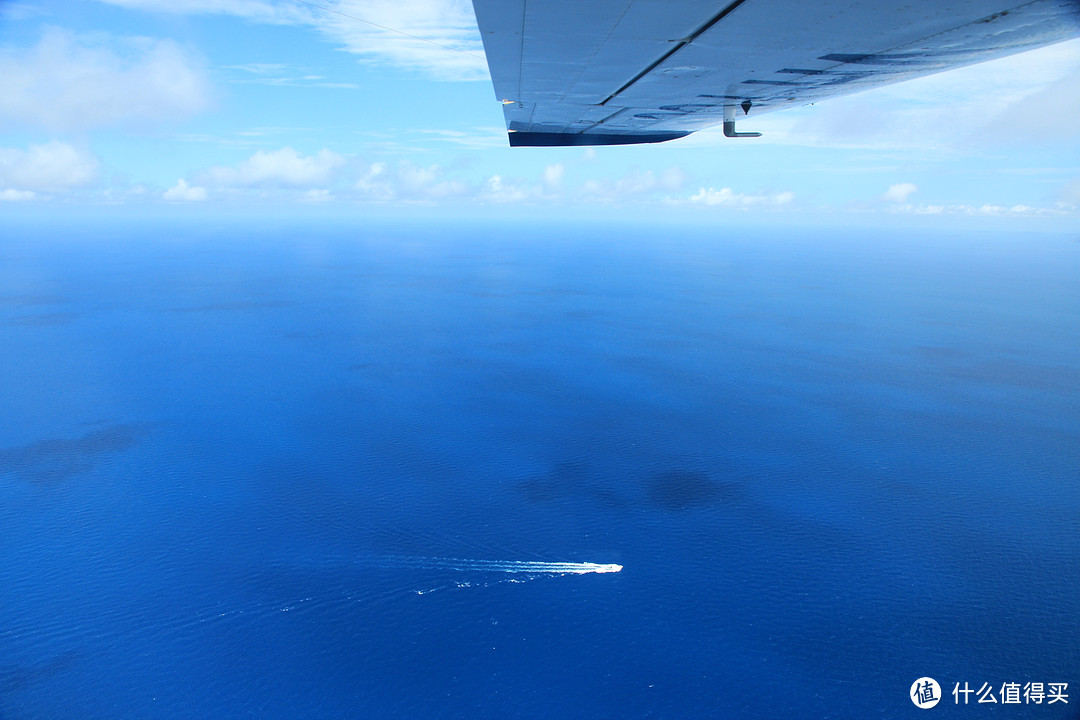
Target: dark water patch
573 482
576 483
370 276
14 678
490 294
1017 374
902 489
42 319
234 305
56 459
937 352
425 282
31 300
686 490
558 290
309 335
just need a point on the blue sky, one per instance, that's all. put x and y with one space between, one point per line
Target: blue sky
256 104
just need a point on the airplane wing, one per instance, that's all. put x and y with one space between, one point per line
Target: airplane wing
613 72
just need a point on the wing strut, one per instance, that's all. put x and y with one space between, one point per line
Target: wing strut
729 121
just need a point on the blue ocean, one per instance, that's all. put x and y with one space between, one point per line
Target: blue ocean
357 470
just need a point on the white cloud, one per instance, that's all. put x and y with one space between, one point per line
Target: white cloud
284 167
184 192
499 190
376 183
409 182
673 179
726 197
19 11
1043 106
280 75
437 37
445 43
900 192
480 138
70 83
253 9
1001 210
16 195
553 175
50 167
316 196
414 178
634 183
1070 194
985 210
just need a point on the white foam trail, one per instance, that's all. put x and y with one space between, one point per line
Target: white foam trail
503 566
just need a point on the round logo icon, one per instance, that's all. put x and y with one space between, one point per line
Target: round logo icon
925 693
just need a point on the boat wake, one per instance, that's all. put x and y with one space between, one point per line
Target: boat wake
433 574
530 567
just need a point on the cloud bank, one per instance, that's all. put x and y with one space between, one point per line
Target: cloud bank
280 168
67 83
50 167
726 197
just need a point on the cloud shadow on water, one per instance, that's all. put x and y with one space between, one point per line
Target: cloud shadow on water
31 300
231 305
57 459
14 678
684 490
570 482
42 319
674 490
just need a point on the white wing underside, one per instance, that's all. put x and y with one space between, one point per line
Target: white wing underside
597 72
